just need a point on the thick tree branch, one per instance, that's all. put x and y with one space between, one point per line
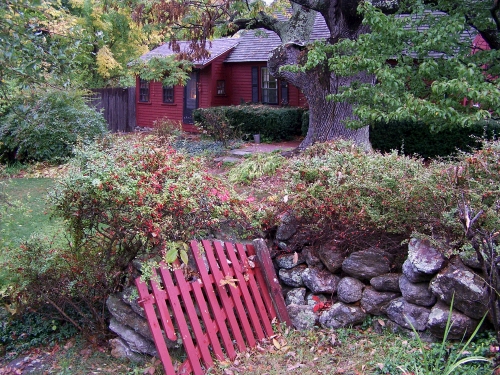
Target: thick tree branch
494 9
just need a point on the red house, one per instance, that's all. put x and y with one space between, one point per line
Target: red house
236 72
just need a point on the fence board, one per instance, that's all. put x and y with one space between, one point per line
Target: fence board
226 295
117 106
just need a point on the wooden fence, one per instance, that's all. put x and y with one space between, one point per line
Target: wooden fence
118 105
228 303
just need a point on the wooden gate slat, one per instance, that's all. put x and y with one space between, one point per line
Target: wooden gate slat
242 283
235 295
187 340
255 291
268 301
219 315
210 325
202 340
259 294
160 295
146 301
227 302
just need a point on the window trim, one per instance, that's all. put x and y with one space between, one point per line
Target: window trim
144 91
220 87
265 91
169 92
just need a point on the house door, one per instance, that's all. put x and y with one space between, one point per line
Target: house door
190 98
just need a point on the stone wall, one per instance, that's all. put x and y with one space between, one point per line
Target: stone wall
324 287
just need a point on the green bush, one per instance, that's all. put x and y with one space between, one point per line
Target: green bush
272 123
122 198
46 126
335 183
413 138
127 198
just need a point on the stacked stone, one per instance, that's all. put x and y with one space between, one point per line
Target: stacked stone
363 283
134 339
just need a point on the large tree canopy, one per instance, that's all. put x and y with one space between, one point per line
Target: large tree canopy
347 79
69 42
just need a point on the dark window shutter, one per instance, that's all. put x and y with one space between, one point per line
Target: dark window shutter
284 92
255 84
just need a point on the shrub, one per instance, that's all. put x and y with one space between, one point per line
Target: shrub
165 128
215 124
255 167
128 198
46 126
272 123
335 183
121 199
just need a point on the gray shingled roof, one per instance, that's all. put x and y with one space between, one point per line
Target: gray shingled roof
215 47
256 45
251 45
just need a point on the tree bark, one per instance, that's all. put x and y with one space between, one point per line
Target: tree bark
325 116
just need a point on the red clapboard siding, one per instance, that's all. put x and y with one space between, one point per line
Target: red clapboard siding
226 304
238 84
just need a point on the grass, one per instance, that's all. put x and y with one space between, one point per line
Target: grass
25 214
29 212
353 351
350 351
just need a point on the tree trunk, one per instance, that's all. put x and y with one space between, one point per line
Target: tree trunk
326 117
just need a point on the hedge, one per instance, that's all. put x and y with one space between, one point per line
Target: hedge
272 123
414 138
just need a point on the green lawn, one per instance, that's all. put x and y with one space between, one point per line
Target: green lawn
26 214
29 213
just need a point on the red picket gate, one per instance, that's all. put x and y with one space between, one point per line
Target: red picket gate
231 300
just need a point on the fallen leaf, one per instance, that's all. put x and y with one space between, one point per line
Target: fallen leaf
381 322
296 366
295 258
228 280
333 340
276 344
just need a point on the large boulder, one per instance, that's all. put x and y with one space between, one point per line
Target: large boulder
349 290
320 281
302 317
331 257
120 349
416 293
469 290
407 314
289 260
296 296
374 302
293 276
386 283
124 314
424 257
367 264
136 342
461 325
287 228
130 297
341 315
